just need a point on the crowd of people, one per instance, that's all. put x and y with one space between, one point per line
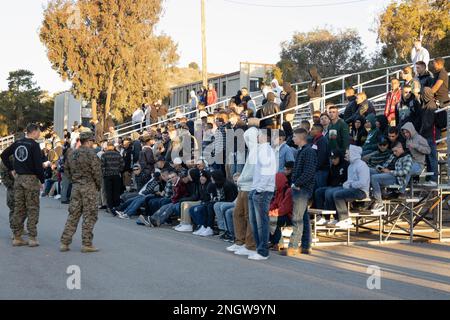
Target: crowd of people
227 173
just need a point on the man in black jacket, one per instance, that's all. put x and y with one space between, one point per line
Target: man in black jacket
127 158
302 189
427 130
29 178
320 144
352 106
336 177
193 199
112 167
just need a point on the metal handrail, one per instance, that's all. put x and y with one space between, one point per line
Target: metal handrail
322 99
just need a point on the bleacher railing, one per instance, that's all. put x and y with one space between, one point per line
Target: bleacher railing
345 80
5 142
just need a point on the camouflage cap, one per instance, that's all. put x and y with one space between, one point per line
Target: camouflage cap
86 135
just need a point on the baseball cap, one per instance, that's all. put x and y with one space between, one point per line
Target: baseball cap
177 161
136 166
383 141
203 114
335 154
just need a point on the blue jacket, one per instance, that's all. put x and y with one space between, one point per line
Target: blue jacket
285 154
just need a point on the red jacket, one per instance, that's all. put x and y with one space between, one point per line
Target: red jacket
212 97
282 203
392 99
179 191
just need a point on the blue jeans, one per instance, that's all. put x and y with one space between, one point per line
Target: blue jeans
320 195
48 185
379 180
229 221
321 179
432 160
136 203
219 209
300 220
342 196
153 204
258 205
198 214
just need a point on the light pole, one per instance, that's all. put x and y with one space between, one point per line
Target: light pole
204 61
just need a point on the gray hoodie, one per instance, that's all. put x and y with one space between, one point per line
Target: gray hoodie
417 145
358 171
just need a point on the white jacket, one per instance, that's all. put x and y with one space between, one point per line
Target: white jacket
245 181
358 171
420 55
265 169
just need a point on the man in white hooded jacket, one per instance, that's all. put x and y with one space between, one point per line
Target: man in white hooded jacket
277 90
244 241
356 187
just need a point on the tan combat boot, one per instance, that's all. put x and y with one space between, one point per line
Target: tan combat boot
88 249
32 242
64 248
290 252
19 242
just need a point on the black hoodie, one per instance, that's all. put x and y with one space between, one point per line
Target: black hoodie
350 109
338 174
427 114
193 187
408 110
222 190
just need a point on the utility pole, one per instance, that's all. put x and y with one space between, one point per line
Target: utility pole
204 61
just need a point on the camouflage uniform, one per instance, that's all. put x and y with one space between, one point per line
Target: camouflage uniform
84 171
26 204
8 181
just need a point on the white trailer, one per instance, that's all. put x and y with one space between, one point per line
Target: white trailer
67 110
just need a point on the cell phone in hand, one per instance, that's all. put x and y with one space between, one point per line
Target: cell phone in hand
380 168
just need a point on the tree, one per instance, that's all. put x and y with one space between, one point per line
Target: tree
331 52
23 102
109 50
194 65
404 21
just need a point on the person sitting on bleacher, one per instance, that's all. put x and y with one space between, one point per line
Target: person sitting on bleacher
374 134
355 188
394 171
378 157
417 146
337 175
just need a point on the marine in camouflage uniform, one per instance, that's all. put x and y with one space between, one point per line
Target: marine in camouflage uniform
84 171
28 182
8 182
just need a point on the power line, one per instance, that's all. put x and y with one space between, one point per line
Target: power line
294 6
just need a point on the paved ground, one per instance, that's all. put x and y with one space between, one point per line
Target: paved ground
142 263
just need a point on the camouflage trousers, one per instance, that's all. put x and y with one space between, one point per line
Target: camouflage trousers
83 203
10 204
26 204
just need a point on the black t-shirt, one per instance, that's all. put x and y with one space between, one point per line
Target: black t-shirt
442 93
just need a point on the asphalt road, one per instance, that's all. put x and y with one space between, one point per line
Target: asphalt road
140 263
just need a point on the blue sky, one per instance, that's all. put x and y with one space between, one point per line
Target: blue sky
235 32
